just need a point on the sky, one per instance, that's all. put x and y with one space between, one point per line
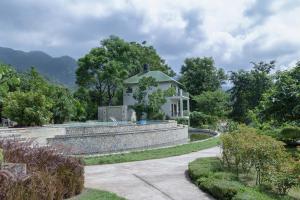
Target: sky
233 32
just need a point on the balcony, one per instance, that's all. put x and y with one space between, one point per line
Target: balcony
180 94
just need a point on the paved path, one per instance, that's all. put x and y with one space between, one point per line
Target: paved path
159 179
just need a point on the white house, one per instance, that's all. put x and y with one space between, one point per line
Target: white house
176 105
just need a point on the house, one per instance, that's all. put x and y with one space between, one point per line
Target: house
176 105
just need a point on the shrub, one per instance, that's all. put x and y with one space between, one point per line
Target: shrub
199 119
52 175
251 194
221 189
27 109
182 120
204 167
245 149
290 135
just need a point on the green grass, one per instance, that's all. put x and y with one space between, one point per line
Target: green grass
196 137
92 194
153 153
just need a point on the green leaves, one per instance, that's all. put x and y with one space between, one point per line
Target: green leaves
249 88
27 109
200 74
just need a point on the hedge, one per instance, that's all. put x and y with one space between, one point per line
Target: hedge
207 174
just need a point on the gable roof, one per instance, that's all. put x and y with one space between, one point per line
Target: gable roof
158 75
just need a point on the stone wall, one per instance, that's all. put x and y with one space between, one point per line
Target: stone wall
98 129
121 139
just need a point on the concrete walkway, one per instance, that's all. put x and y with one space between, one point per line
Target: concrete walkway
159 179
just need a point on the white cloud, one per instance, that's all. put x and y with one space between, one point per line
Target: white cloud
233 32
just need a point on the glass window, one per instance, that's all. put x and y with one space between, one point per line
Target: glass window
129 90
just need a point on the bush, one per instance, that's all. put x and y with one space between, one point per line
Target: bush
27 109
51 174
290 135
204 167
251 194
209 175
182 120
219 188
199 119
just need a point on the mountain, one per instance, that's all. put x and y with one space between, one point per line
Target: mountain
57 69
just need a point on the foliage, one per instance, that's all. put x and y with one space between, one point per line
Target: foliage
199 119
9 82
211 176
200 75
63 104
214 103
51 175
28 109
182 120
244 150
102 71
152 154
282 102
248 88
290 135
150 102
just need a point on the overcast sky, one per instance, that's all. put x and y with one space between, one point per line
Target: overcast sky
233 32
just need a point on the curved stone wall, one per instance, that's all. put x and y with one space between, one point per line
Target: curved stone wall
107 139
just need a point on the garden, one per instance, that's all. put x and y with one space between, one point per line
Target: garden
252 166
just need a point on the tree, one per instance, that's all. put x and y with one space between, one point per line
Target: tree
150 103
9 82
200 75
27 109
63 104
248 88
104 68
282 102
214 103
140 95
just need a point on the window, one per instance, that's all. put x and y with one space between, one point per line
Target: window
129 90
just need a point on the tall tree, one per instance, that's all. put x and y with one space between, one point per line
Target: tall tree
249 87
101 72
282 102
200 75
9 82
214 103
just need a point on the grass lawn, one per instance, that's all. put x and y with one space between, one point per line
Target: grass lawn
92 194
196 137
152 154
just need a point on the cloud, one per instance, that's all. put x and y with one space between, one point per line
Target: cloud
233 33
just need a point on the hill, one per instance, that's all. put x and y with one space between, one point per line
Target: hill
57 69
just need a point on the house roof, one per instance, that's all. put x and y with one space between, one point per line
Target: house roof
158 75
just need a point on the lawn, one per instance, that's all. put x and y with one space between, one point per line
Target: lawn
153 153
199 136
92 194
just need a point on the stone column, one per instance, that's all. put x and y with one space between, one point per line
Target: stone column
181 107
188 106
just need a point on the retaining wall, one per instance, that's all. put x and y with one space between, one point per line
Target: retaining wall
120 138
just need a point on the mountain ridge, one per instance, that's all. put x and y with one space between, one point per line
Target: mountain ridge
57 69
